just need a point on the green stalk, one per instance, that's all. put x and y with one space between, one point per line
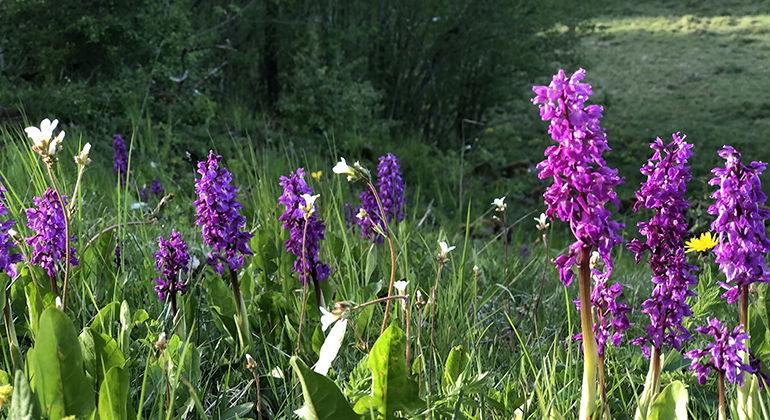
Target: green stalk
590 354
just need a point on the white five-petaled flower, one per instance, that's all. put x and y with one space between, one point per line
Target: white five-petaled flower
82 159
499 204
343 168
309 208
328 318
444 249
401 286
542 222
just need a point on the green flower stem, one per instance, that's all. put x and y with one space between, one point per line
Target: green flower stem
590 355
241 317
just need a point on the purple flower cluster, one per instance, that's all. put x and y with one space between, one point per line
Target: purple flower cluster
582 182
48 243
155 188
664 193
724 355
217 211
740 223
305 233
171 259
7 257
120 158
390 188
611 316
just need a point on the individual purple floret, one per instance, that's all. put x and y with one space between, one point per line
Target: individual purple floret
757 370
724 355
582 182
8 258
156 187
48 243
390 188
217 211
299 224
120 158
664 193
171 260
144 194
740 223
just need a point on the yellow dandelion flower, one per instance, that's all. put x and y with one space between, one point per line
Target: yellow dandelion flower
705 242
316 175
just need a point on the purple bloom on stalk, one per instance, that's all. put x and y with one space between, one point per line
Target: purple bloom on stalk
390 188
48 243
611 315
144 194
663 192
724 355
305 231
171 259
120 158
740 223
156 187
7 258
582 182
217 211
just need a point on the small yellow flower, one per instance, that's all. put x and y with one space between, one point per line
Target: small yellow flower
705 242
316 175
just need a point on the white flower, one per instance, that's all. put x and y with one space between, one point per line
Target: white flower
82 158
499 204
251 364
596 262
58 303
153 165
542 222
330 347
328 318
276 373
44 133
401 286
343 168
361 215
309 207
445 249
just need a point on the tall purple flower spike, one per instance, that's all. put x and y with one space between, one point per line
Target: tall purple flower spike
218 213
664 193
582 182
740 223
724 355
8 258
120 158
49 241
313 229
390 187
171 260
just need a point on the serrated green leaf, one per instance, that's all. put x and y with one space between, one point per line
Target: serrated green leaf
670 404
323 400
392 389
113 395
60 382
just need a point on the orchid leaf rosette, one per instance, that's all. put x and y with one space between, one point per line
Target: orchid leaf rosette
582 187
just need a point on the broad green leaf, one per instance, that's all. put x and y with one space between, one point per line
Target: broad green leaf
113 395
455 366
23 404
371 263
61 385
392 389
670 404
105 317
323 400
100 354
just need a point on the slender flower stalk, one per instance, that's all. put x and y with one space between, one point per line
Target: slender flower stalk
218 213
171 260
582 186
664 193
